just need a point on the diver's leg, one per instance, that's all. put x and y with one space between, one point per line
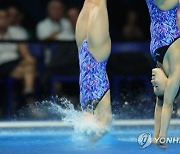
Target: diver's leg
171 66
98 30
100 46
82 23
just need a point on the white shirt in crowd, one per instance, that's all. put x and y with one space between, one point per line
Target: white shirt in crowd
9 51
47 27
21 32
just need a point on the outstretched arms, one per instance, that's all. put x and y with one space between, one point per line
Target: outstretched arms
166 4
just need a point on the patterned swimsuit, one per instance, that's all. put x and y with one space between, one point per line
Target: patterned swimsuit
164 29
93 81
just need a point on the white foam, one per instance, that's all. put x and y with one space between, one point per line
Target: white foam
82 123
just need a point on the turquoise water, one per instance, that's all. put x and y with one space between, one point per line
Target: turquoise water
63 140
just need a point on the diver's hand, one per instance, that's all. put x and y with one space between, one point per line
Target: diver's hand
159 81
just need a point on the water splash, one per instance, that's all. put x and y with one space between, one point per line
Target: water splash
63 109
85 123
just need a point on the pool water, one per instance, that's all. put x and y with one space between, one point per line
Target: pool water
120 140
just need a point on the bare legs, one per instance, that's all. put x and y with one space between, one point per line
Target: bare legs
26 72
89 26
93 25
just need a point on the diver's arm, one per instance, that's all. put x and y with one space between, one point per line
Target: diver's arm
166 4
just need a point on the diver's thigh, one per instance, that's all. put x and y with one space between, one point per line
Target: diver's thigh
82 24
98 32
172 58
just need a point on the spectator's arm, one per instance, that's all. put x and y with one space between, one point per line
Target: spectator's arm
67 32
44 32
52 36
166 4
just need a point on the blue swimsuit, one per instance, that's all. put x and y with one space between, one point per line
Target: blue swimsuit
164 29
93 81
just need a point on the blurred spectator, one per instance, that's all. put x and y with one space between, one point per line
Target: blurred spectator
64 62
131 30
55 26
73 14
15 20
15 59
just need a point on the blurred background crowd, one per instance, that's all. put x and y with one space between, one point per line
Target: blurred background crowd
39 57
